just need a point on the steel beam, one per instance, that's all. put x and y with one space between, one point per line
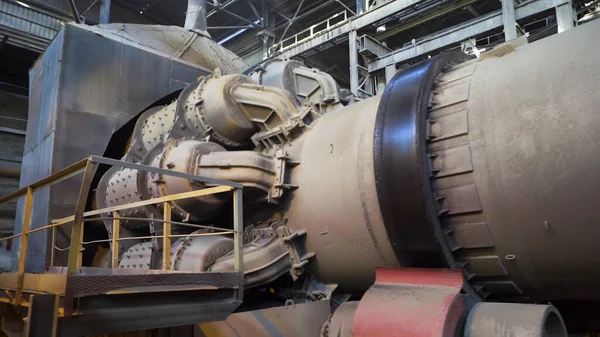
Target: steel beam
352 46
508 17
292 20
253 9
220 7
74 11
345 7
460 33
565 16
88 7
371 48
417 18
358 22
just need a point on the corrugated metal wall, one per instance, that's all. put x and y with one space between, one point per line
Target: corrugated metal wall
34 29
13 122
26 27
254 57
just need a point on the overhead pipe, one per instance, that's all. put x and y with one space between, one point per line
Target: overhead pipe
104 12
195 17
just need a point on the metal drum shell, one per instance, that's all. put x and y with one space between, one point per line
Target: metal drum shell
336 200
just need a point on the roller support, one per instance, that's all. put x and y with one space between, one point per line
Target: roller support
429 303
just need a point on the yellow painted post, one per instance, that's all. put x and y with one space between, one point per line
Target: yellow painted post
77 231
53 251
115 240
166 244
23 250
80 252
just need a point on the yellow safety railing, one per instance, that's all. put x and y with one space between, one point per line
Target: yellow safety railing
88 166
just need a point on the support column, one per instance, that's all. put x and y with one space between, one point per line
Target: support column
508 15
381 83
390 71
361 6
352 44
565 16
104 12
264 38
267 36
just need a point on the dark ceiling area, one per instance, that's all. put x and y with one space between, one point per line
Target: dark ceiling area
238 24
242 14
14 68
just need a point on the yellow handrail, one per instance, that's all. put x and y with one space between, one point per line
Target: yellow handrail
88 166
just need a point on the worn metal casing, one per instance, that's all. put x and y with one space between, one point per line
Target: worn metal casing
336 202
518 189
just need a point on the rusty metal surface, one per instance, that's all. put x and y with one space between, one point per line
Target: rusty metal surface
411 303
512 319
299 320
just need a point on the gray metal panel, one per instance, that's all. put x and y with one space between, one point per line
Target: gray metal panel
181 76
36 165
90 73
43 93
174 42
66 152
138 69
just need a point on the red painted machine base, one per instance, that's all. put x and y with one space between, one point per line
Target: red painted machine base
407 302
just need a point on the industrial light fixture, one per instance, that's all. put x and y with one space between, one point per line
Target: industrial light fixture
22 4
381 29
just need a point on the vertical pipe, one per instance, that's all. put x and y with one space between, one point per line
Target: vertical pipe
238 236
508 15
105 11
195 17
267 26
23 249
381 83
360 6
390 71
353 62
77 230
